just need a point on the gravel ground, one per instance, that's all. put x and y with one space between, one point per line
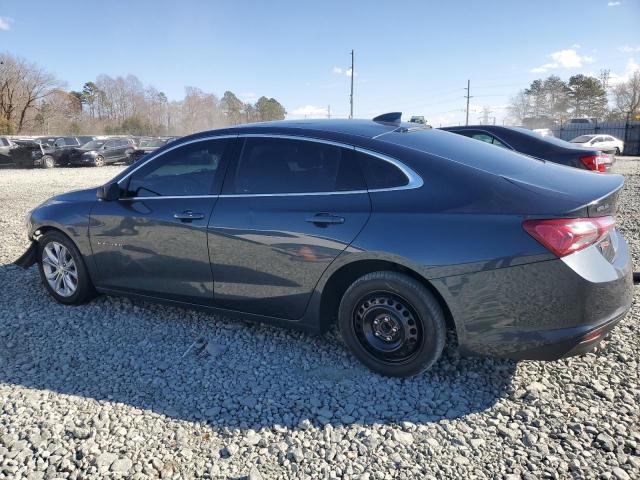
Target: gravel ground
115 389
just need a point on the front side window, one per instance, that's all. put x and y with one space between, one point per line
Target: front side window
184 171
281 166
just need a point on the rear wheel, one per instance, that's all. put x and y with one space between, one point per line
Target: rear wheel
62 269
48 161
392 324
99 161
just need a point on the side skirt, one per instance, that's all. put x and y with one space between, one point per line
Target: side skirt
303 326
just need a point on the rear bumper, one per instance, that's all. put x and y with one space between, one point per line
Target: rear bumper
541 311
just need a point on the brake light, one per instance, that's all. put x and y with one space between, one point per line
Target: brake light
568 235
597 163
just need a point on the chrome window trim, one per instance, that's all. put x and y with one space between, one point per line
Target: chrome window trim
414 180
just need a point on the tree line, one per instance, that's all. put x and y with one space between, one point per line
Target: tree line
34 101
553 100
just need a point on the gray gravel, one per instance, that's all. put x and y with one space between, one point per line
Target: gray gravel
115 389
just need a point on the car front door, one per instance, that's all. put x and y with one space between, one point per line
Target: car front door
153 240
289 208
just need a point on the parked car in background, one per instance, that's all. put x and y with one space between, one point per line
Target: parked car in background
57 153
98 153
5 152
24 150
604 143
147 145
545 148
297 223
583 120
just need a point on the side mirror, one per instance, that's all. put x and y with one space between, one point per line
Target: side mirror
109 192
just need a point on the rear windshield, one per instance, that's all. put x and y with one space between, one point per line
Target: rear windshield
464 150
582 139
539 138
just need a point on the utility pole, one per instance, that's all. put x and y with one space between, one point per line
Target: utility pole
329 111
468 96
351 96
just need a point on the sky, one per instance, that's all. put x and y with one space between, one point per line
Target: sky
410 56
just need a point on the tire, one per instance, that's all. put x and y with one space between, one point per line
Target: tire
617 152
99 161
48 248
48 162
377 303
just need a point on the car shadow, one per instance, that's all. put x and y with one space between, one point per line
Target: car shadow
197 367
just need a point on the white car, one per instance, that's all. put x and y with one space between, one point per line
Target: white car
604 143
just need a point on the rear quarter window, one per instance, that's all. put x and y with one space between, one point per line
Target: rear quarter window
379 174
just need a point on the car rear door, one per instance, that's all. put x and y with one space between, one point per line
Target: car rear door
289 208
153 240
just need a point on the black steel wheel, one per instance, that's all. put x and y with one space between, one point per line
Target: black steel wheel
392 323
387 326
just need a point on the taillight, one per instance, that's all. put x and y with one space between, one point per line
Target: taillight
597 163
567 235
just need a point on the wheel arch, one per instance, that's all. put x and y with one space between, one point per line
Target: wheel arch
342 277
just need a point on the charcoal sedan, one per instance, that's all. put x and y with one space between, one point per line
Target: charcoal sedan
394 231
531 143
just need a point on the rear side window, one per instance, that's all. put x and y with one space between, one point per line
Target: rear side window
184 171
280 166
4 142
380 174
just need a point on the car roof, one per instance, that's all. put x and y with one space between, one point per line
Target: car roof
317 127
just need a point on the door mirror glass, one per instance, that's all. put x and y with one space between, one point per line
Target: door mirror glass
109 192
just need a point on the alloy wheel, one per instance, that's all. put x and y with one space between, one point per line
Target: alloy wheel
99 161
60 269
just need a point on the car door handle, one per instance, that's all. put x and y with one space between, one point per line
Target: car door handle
324 219
188 216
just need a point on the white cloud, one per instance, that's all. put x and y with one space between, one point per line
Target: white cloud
614 4
5 23
340 71
629 48
567 58
618 78
310 111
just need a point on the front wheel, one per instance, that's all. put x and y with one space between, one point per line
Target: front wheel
392 324
48 161
62 269
617 152
99 161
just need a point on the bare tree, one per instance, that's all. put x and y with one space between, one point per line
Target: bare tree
22 86
626 97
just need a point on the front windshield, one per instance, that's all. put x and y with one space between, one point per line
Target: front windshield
582 139
93 144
